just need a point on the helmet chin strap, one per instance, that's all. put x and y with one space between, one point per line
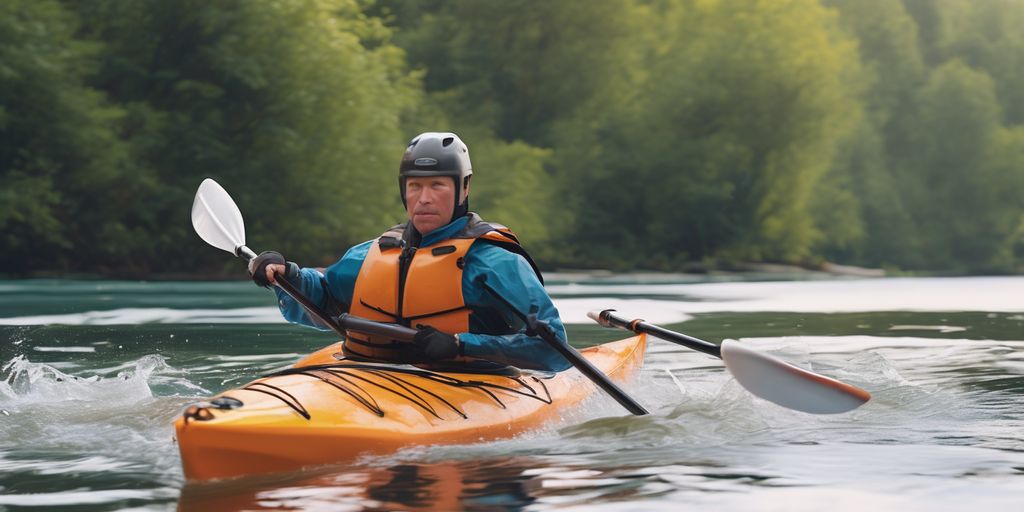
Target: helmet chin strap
460 210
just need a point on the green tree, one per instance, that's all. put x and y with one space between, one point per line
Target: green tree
718 151
294 106
59 149
866 165
521 65
514 188
967 195
988 38
1005 165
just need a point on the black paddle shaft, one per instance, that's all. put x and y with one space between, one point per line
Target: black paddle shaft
570 354
609 319
584 366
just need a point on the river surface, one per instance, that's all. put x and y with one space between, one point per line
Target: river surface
93 374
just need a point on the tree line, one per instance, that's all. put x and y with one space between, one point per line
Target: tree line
621 134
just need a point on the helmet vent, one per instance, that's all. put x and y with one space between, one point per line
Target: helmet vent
447 141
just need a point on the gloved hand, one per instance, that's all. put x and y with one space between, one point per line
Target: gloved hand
258 267
435 344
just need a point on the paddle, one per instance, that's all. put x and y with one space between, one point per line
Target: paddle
765 376
218 221
546 333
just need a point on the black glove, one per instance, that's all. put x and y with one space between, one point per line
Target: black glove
435 344
258 267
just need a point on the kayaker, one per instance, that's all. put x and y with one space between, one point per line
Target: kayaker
446 272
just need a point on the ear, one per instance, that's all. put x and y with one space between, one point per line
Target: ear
465 190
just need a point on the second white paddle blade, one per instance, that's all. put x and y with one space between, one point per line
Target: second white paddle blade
787 385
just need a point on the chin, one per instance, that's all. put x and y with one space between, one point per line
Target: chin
425 228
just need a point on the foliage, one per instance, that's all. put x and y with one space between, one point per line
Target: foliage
968 201
941 95
293 106
720 148
521 64
59 147
609 133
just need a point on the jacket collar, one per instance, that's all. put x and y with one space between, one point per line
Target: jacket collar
444 232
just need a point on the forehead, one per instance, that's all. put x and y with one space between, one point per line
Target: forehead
429 180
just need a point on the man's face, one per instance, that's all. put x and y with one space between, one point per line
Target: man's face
430 201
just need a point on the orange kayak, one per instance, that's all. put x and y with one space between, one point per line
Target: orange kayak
325 410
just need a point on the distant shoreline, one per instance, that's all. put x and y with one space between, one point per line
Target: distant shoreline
751 271
696 274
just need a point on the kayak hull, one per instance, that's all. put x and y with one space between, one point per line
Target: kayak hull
332 411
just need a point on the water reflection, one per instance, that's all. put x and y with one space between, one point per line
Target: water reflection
494 484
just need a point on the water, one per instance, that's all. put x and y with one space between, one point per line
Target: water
92 375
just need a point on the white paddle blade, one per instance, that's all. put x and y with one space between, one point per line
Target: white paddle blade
216 218
787 385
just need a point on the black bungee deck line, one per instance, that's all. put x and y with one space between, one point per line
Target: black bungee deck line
345 377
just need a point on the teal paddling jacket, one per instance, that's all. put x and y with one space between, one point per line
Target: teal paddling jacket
507 273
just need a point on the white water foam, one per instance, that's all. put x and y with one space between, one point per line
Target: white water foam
133 316
35 383
46 411
79 498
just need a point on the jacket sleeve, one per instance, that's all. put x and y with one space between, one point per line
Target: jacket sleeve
330 290
513 279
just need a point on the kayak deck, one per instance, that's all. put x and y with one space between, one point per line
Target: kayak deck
326 410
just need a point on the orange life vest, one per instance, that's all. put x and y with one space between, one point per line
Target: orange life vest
427 292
